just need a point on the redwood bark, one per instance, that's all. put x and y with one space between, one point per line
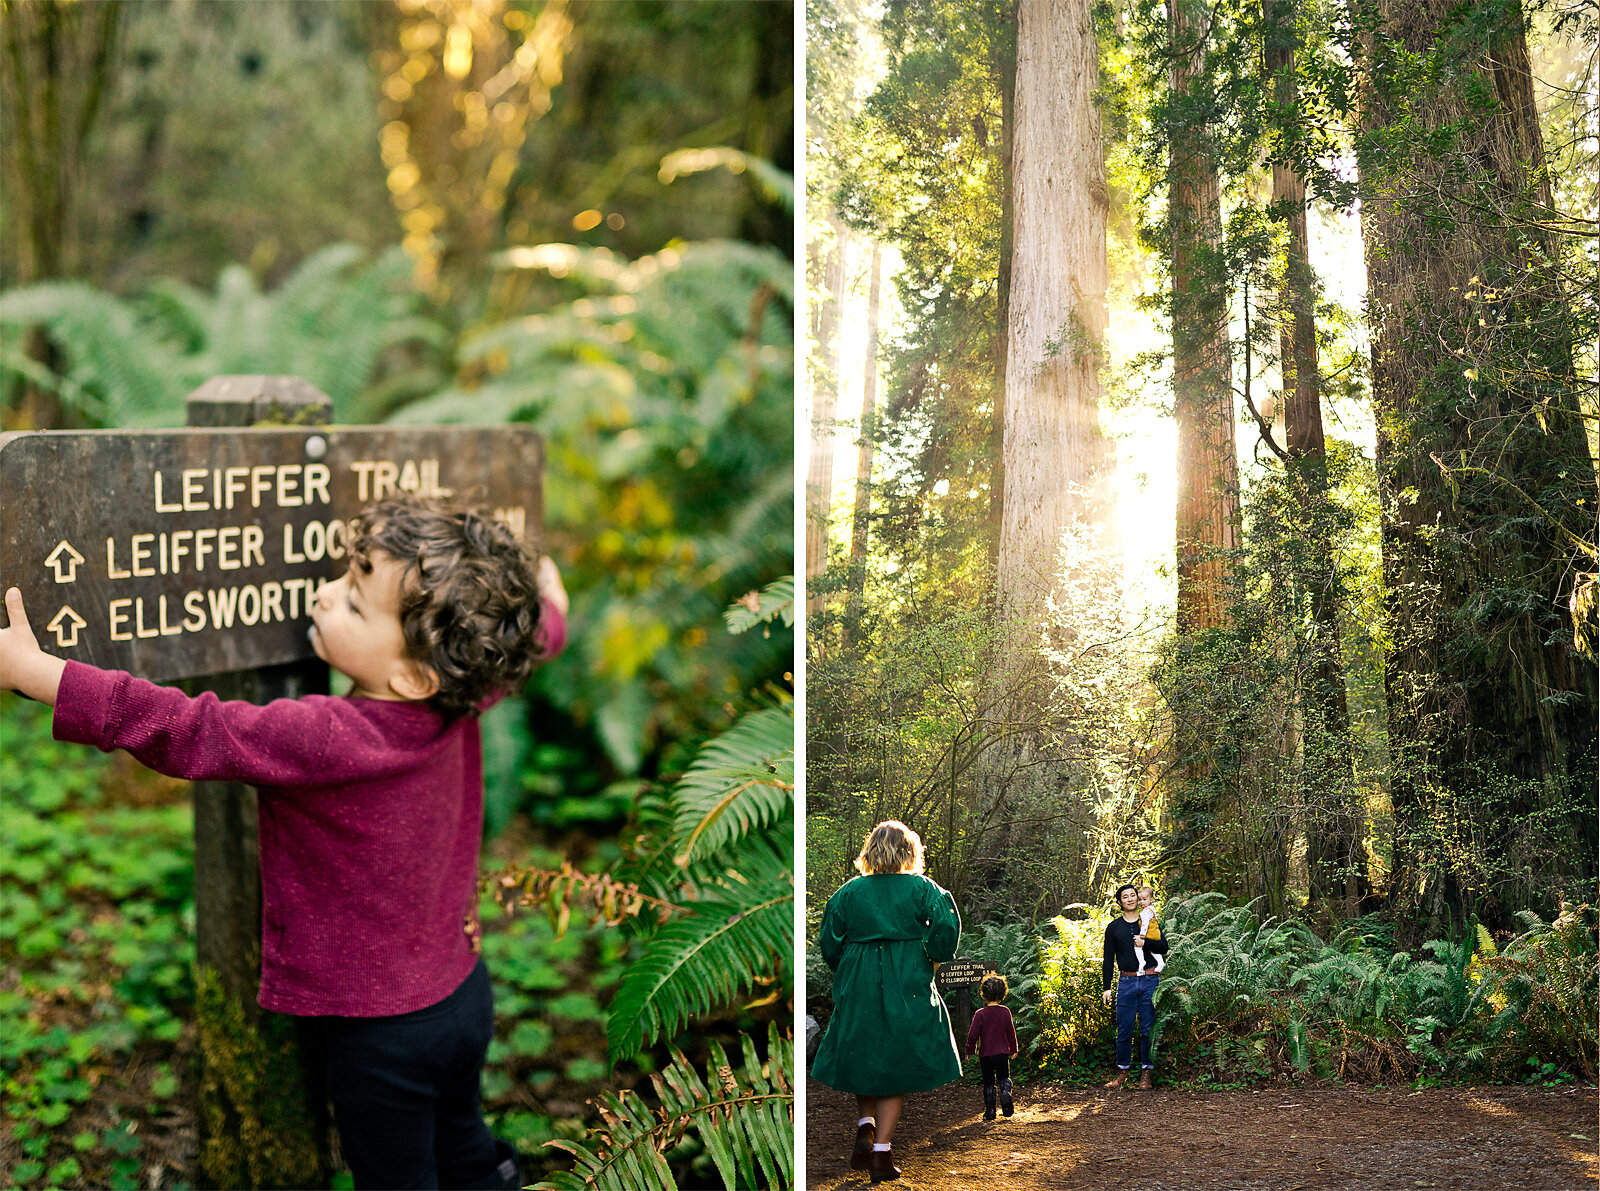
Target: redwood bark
1006 82
1335 826
861 519
1492 715
824 397
1208 470
1058 466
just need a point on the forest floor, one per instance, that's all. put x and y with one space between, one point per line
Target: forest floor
1284 1138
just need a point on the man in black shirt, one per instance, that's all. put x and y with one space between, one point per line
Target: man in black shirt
1135 990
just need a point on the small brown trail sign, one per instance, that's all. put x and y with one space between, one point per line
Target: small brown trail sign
177 553
960 975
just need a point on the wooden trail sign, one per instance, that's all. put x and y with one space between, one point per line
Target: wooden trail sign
177 553
958 973
195 554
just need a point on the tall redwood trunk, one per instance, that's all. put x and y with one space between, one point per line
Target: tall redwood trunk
861 520
1335 823
1492 715
1058 466
1208 470
1006 81
824 399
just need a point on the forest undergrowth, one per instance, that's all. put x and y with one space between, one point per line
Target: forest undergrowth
97 1033
1245 1000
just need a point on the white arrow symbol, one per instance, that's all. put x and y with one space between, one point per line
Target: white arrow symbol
66 634
69 564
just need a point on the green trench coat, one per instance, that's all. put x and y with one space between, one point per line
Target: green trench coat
890 1032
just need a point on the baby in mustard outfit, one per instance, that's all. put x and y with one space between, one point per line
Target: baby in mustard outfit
1148 926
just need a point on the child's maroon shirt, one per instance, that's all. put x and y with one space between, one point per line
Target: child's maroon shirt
992 1032
371 814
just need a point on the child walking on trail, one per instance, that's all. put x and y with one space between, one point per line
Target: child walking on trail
992 1036
371 813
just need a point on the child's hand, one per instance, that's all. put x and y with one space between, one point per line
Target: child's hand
23 665
550 586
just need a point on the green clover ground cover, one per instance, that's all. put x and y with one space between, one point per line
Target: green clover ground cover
96 944
97 1047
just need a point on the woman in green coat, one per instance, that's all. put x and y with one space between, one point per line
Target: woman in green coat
882 934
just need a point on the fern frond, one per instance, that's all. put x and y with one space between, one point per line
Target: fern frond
696 963
117 372
744 1116
774 600
741 781
773 183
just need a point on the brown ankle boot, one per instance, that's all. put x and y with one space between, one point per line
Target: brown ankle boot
883 1168
861 1156
1145 1082
1117 1080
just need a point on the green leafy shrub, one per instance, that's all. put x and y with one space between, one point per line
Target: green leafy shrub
744 1119
1071 1017
1543 989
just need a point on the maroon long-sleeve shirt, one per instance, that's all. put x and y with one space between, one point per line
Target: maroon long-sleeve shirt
992 1032
371 813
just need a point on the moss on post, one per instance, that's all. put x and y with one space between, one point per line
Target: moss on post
257 1128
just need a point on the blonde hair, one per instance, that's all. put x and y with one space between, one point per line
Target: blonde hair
891 847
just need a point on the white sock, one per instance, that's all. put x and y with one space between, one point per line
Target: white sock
880 1145
873 1121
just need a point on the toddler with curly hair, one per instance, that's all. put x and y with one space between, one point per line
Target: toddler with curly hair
371 813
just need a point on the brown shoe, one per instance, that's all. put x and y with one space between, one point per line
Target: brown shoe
1118 1080
1145 1082
861 1156
882 1167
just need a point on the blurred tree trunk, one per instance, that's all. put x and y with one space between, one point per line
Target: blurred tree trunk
1335 826
861 521
1492 714
1208 476
461 88
771 90
60 61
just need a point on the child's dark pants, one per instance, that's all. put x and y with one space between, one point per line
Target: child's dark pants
405 1094
996 1074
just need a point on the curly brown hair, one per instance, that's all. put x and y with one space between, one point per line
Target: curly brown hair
994 988
469 594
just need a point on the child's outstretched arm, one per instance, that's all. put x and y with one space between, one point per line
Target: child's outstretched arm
23 665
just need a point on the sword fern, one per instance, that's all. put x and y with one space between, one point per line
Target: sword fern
743 1116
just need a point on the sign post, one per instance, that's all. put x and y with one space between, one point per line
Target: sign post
196 554
960 975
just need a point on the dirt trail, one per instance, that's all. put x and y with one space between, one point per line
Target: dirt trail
1274 1139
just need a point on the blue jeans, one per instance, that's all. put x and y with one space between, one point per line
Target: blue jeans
1135 1001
